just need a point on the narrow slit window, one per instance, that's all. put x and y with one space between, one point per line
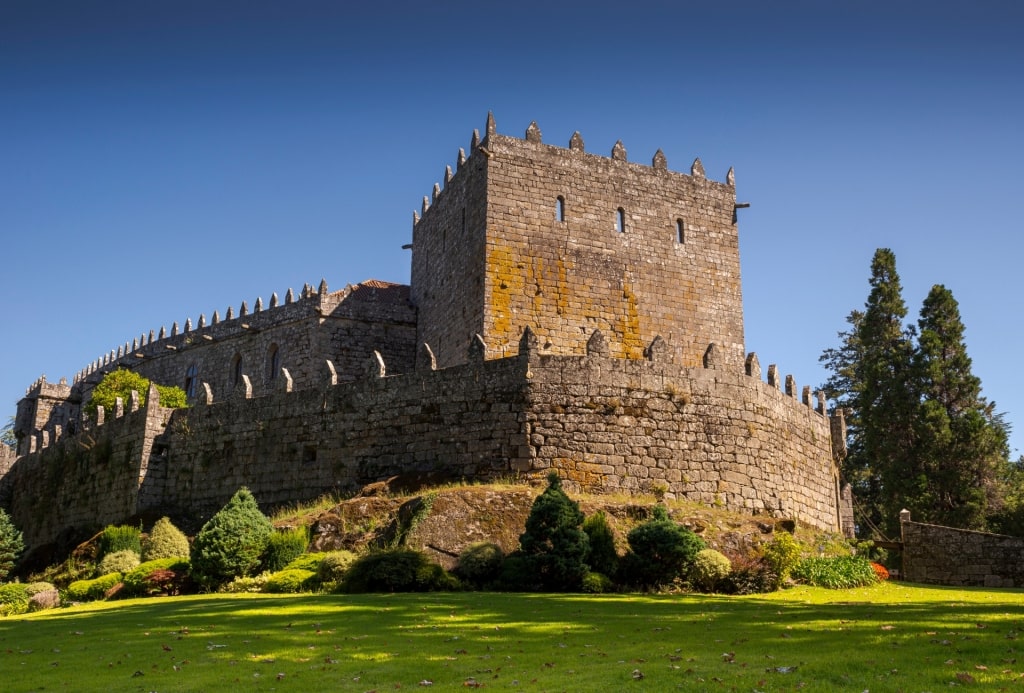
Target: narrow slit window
680 231
273 362
620 220
560 209
236 370
191 381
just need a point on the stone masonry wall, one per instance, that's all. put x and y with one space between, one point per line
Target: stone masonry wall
83 481
491 256
345 327
710 434
946 556
714 435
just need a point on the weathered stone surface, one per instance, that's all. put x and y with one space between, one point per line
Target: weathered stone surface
646 403
938 555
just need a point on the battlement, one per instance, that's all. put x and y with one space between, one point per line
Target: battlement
488 148
128 354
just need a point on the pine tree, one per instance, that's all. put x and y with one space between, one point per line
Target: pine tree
887 399
960 442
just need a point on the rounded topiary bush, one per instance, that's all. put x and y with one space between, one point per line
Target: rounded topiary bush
334 565
289 581
597 583
708 569
165 541
91 590
118 562
660 551
284 546
231 544
480 563
397 570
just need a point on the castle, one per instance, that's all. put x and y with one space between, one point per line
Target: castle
566 311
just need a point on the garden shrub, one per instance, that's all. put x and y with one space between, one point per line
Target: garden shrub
43 599
782 553
602 558
480 563
307 561
597 583
165 541
749 575
553 542
835 572
12 543
881 572
14 599
397 570
120 538
232 542
708 569
118 562
284 546
246 584
91 590
334 565
660 551
289 581
163 576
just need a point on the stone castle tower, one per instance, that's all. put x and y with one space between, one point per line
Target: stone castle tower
567 311
566 242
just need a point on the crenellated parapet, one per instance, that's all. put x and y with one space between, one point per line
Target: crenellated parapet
479 147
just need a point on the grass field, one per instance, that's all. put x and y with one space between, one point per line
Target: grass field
890 637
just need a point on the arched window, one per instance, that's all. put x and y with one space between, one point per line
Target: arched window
620 220
236 370
191 381
273 362
680 231
560 209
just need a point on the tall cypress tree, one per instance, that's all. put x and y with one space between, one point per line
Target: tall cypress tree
962 445
887 399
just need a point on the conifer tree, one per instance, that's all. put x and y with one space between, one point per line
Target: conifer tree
553 543
887 399
960 443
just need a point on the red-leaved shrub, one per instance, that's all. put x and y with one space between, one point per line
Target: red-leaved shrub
880 571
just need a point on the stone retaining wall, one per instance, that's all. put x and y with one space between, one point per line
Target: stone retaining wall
938 555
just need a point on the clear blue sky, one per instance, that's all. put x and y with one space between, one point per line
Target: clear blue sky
163 159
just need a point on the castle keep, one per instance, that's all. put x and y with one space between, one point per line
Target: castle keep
566 311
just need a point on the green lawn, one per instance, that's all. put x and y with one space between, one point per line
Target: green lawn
891 637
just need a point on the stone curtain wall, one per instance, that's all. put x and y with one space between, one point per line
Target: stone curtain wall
714 435
83 481
946 556
463 423
490 256
345 327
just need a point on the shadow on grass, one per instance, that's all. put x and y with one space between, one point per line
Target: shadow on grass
885 638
